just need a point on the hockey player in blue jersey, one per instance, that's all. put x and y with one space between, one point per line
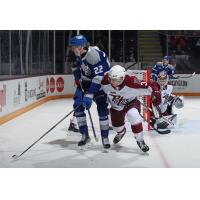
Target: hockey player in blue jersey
161 67
91 64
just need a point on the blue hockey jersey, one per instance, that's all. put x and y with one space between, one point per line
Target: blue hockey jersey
159 67
91 68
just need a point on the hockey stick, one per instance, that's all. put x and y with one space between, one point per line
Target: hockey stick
167 131
17 156
155 129
189 76
95 136
131 65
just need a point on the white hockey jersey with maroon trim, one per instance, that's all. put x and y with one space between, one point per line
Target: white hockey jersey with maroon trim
166 92
120 96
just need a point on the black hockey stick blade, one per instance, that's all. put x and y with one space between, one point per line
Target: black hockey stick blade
15 156
167 131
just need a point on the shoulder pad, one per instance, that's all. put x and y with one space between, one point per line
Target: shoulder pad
92 56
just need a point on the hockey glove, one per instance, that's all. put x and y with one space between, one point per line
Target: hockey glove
77 83
156 98
155 95
87 102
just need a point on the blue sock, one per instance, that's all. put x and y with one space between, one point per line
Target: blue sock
83 130
104 133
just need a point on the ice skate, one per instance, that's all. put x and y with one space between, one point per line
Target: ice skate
72 127
105 142
118 137
143 146
85 139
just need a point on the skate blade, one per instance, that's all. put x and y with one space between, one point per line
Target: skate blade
86 146
105 150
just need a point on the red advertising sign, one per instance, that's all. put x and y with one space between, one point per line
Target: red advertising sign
52 84
60 84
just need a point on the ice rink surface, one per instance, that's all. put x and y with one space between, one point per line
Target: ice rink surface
58 149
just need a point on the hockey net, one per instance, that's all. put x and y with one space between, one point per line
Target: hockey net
143 75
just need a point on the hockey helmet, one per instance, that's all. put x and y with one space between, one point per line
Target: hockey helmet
162 79
78 40
166 60
116 75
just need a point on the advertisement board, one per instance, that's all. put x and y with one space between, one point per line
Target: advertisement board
16 94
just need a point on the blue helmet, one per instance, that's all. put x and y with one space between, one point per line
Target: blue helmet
166 58
78 40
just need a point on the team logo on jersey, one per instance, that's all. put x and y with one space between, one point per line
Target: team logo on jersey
118 100
86 69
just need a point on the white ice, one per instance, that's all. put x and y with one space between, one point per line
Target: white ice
58 149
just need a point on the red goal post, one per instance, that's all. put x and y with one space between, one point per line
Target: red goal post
143 75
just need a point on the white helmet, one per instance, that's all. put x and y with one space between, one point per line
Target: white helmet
116 75
117 72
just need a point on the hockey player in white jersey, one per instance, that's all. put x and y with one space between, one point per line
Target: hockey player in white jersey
168 102
122 91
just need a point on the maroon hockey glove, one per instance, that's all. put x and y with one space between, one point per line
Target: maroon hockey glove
77 83
156 95
156 98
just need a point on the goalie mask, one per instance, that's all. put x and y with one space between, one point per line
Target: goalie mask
116 75
162 79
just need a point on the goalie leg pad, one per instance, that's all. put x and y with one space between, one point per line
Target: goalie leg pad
161 124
